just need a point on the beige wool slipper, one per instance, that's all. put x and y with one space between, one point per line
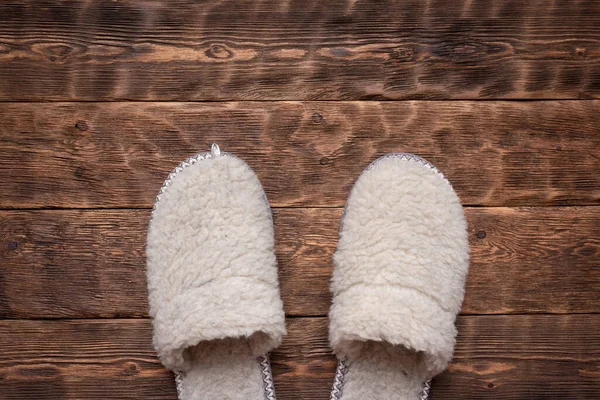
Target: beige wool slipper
398 282
212 280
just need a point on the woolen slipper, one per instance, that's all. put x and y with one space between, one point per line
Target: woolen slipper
398 282
212 280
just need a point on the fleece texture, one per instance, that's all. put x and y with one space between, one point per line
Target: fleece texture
212 277
400 269
222 369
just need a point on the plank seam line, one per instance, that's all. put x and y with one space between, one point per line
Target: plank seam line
146 318
473 206
383 100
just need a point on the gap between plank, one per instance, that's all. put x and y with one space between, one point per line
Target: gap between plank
521 100
145 317
545 206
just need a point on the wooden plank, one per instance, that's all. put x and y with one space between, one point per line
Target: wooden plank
306 154
85 264
497 357
558 253
309 50
524 357
81 360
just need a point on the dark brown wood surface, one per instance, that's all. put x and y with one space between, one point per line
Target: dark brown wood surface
100 100
306 154
298 49
91 264
92 359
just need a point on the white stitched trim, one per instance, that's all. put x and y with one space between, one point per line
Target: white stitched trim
425 391
267 375
179 375
190 161
407 157
338 381
340 376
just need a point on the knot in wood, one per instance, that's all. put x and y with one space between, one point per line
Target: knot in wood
219 52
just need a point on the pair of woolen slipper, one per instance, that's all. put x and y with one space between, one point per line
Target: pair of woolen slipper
398 281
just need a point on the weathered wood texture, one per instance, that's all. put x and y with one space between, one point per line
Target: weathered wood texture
497 357
306 154
298 49
81 360
83 264
524 357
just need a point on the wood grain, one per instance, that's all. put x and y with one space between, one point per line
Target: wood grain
497 357
294 88
298 50
306 154
85 264
81 360
524 357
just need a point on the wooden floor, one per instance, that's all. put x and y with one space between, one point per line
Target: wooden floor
100 99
